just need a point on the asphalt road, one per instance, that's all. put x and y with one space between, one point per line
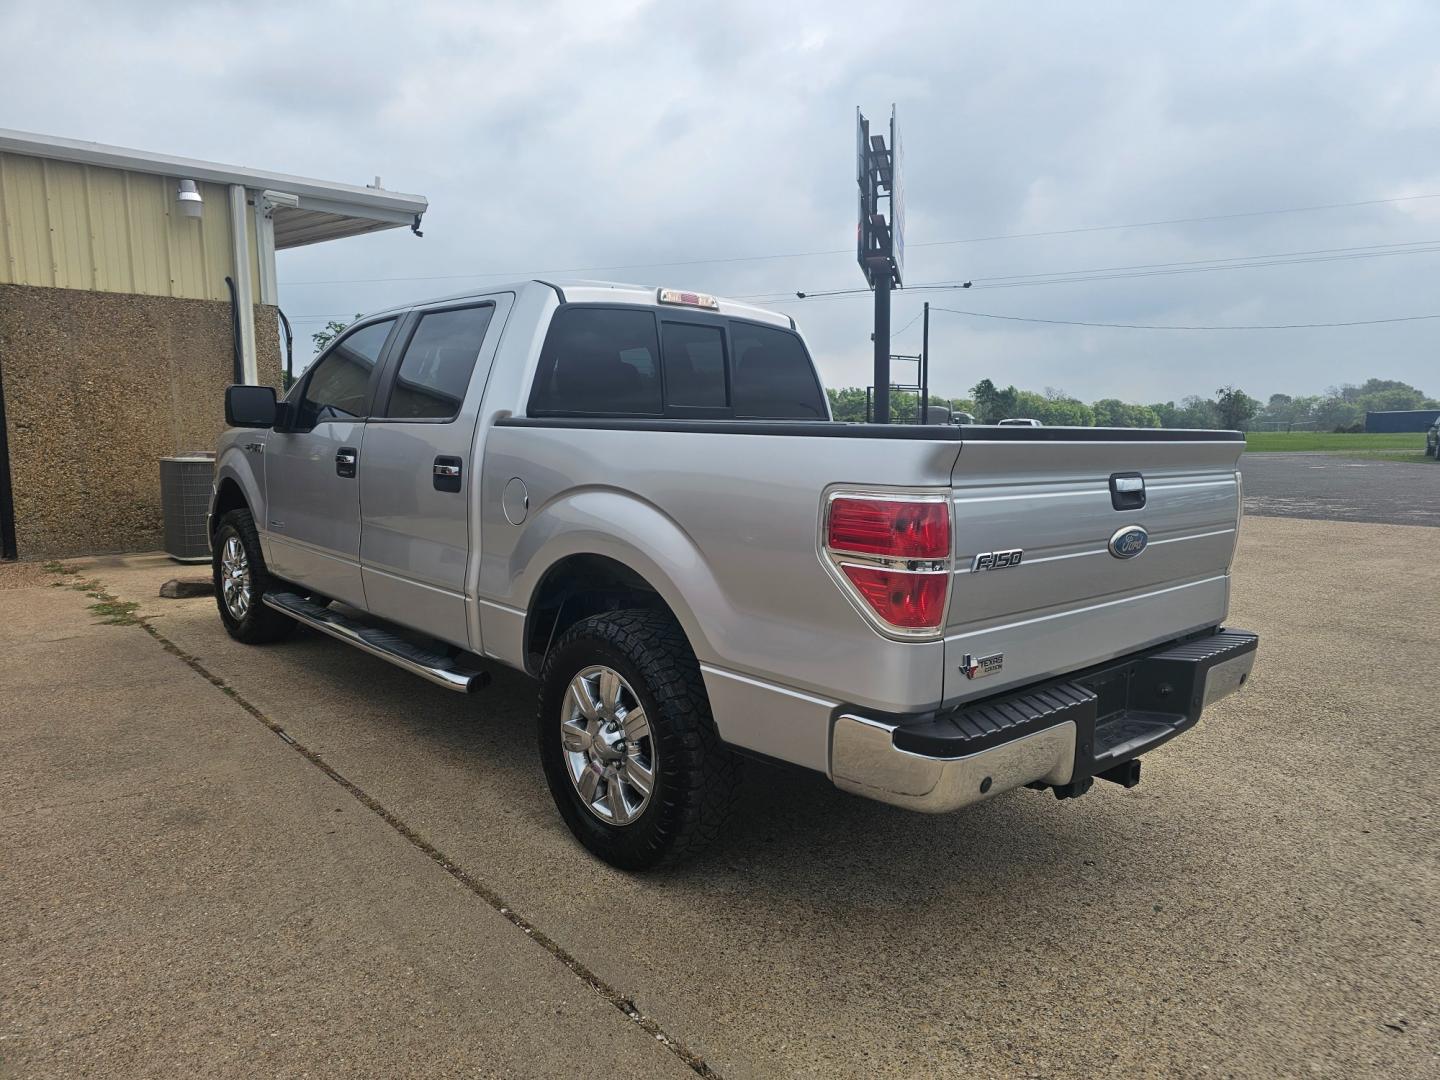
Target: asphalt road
1330 488
1264 904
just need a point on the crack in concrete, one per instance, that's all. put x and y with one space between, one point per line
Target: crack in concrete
613 996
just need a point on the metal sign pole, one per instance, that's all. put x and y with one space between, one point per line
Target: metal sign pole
925 366
882 346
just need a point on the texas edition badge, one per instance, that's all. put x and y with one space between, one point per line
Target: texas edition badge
977 667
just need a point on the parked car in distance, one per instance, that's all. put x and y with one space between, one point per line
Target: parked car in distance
1432 440
1020 421
638 496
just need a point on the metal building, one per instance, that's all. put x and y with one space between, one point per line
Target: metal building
1401 420
133 288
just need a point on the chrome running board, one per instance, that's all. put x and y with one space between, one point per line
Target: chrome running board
436 667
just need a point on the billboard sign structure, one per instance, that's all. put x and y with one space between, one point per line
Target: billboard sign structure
897 203
867 190
880 243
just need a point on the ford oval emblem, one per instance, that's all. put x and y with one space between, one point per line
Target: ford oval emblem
1128 542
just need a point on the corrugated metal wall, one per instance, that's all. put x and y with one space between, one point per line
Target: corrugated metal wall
76 226
1401 420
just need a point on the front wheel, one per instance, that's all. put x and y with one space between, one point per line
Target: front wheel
241 582
629 748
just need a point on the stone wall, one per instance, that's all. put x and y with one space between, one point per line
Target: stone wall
99 387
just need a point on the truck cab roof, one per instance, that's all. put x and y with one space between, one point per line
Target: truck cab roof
584 291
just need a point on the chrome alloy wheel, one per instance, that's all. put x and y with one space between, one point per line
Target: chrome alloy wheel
235 578
608 747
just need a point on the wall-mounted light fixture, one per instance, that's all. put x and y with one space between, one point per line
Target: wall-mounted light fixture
188 196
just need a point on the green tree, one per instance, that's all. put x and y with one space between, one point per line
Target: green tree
1112 412
1334 413
1398 390
1197 412
961 405
991 403
333 329
1053 409
1234 408
847 403
1391 398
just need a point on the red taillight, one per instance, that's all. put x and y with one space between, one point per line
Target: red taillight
914 601
890 527
893 556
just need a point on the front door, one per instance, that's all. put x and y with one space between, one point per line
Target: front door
312 526
418 476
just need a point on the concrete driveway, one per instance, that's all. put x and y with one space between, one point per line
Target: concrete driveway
385 888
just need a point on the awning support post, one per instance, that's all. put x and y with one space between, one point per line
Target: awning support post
244 284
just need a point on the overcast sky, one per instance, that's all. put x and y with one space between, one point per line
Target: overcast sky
551 136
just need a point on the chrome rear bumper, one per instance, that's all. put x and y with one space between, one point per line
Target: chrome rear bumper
1059 734
866 762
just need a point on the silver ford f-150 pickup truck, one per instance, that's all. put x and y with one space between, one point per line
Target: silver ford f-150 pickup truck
639 497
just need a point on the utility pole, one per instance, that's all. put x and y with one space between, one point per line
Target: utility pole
925 366
882 347
880 243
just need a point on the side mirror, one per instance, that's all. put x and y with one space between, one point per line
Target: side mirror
250 406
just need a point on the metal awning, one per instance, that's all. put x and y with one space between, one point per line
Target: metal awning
326 210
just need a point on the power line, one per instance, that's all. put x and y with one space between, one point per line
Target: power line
907 326
1143 326
1107 273
1140 270
847 251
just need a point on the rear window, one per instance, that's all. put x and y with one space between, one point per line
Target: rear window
602 361
773 378
695 366
599 361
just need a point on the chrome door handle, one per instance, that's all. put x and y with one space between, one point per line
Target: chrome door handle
446 473
346 459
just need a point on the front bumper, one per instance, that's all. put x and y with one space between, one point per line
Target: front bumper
1059 734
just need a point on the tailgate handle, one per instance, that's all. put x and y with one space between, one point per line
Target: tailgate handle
1127 491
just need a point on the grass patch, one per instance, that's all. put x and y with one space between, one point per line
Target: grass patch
108 608
114 612
1266 441
53 567
1412 457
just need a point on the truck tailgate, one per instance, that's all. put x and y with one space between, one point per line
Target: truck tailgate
1069 601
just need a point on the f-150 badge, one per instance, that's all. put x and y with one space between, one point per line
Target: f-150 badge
977 667
997 560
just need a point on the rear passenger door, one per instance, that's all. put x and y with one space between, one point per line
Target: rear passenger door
421 461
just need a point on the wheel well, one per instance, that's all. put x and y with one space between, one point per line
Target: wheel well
229 497
576 588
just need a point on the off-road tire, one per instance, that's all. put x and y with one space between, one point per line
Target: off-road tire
697 777
260 623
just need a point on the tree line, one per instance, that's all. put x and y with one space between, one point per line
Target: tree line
1341 408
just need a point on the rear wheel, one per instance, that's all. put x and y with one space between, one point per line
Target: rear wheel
241 582
627 742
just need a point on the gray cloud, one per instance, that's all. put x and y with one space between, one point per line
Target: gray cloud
555 135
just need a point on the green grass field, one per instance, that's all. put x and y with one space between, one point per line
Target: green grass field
1261 441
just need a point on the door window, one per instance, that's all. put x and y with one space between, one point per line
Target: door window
598 362
339 385
435 371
